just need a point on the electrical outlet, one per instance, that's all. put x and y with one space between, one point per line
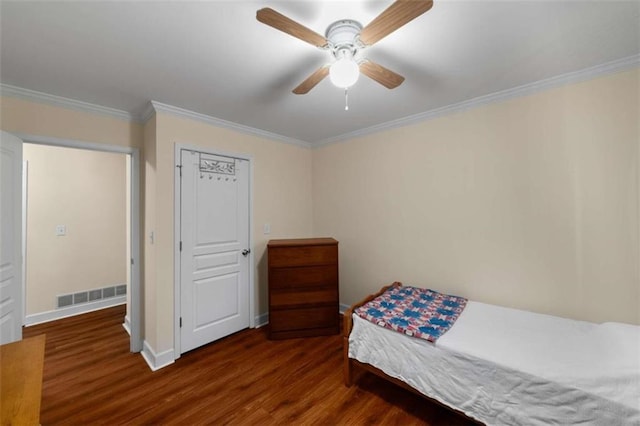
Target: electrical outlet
61 230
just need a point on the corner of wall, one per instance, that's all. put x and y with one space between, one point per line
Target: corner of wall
154 360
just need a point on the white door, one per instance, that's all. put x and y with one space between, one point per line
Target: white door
10 239
214 256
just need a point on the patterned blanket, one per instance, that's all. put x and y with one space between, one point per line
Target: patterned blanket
413 311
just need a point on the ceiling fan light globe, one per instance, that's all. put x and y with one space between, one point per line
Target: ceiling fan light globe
344 73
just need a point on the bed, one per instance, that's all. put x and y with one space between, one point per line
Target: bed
505 366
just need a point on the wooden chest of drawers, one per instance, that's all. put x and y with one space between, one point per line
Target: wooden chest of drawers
303 287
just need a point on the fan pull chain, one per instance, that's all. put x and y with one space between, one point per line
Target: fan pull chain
346 99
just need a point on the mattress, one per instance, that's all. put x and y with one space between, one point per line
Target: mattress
505 366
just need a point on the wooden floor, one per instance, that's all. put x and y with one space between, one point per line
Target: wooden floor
90 377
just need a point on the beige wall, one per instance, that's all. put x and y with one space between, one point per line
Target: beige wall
33 118
529 203
281 196
85 191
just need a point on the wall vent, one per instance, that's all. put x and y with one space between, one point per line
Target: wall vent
95 295
66 300
80 297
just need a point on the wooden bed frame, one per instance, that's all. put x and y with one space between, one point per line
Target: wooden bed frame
352 368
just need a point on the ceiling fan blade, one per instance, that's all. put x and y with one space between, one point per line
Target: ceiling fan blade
312 80
280 22
395 16
382 75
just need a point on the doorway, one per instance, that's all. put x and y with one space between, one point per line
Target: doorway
98 295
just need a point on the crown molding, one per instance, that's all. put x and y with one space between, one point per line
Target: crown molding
612 67
33 95
151 108
601 70
180 112
148 112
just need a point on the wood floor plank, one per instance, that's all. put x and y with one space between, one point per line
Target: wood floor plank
90 377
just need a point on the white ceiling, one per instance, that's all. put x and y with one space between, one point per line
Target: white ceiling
215 58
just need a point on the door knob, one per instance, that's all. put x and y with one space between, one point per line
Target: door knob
246 252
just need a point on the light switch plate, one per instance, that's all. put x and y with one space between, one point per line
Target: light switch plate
266 229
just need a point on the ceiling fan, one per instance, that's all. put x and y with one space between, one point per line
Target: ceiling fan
346 39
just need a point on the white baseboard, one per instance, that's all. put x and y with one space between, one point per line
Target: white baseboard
262 320
73 310
127 324
343 308
156 361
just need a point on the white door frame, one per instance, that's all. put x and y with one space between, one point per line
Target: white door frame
12 306
176 243
135 308
25 197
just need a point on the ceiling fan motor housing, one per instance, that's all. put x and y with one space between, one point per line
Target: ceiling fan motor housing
343 34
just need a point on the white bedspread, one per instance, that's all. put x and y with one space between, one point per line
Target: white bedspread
509 367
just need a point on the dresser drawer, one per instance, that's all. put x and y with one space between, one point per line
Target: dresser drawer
297 319
302 255
314 296
303 277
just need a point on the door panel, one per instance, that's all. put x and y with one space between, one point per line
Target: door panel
205 262
214 230
216 299
10 239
